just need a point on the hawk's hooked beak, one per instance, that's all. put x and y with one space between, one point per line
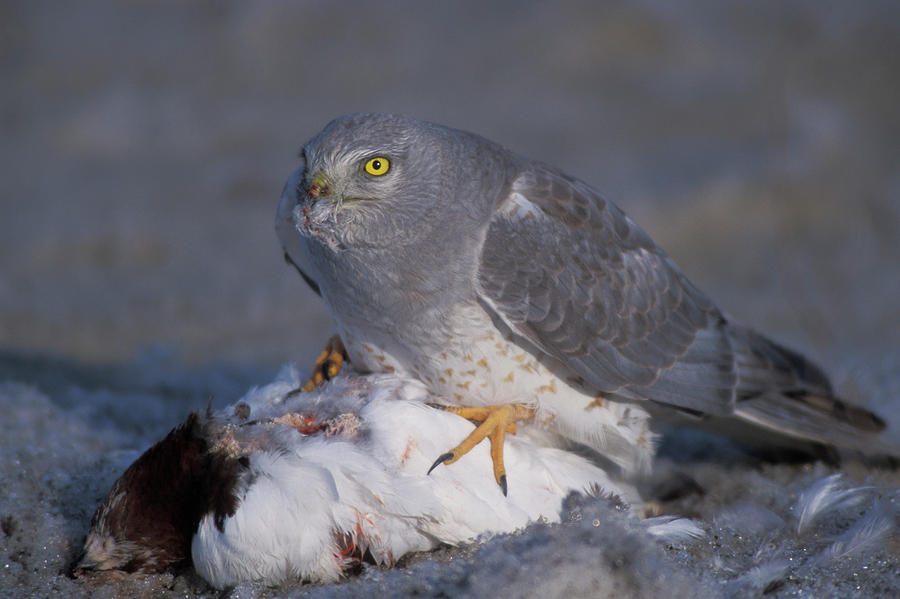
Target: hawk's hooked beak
319 187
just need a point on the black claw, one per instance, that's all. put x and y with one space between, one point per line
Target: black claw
443 458
503 483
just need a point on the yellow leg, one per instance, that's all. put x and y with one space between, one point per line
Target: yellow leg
328 364
495 421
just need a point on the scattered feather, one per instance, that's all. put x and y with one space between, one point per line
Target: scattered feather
673 529
868 532
758 579
825 496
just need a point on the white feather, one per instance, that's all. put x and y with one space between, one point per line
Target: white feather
823 496
870 530
674 529
754 581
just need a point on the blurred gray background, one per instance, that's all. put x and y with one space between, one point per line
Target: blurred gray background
145 145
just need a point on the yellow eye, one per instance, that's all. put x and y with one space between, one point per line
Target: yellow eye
378 166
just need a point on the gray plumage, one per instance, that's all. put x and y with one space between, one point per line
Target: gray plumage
461 235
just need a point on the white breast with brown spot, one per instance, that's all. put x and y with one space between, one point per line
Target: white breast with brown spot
475 365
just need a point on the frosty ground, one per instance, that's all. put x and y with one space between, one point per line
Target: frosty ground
69 430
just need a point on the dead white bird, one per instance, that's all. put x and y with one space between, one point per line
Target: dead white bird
306 486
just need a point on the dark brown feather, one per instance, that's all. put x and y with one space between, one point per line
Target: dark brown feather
154 509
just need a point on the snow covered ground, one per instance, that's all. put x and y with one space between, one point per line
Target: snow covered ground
781 529
144 147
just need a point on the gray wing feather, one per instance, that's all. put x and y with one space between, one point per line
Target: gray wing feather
571 275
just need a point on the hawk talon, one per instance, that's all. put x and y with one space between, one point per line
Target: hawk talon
495 423
443 458
328 364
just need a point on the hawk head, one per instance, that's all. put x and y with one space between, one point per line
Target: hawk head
381 180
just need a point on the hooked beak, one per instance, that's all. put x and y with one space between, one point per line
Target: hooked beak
319 187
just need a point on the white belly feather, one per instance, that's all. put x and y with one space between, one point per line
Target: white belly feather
476 366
